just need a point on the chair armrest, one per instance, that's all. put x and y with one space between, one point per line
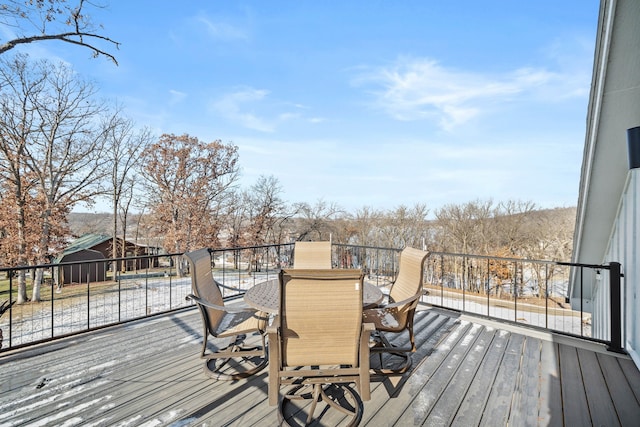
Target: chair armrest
401 303
231 288
272 329
226 309
274 361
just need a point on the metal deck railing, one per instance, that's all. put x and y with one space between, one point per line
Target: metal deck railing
82 296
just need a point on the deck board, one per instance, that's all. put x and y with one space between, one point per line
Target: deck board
626 404
464 373
575 408
470 411
527 389
594 380
443 411
429 394
549 404
497 409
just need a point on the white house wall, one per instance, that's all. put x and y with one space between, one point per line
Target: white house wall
608 205
623 246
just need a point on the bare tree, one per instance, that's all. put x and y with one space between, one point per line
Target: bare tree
406 226
367 222
461 229
124 147
512 221
42 20
316 221
458 226
17 120
265 207
62 142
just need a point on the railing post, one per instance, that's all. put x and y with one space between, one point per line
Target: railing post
615 297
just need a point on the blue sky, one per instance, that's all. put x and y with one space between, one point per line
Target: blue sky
364 103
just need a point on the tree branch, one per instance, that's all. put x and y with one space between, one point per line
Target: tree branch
66 37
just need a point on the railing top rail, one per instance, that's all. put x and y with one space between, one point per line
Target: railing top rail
128 258
431 254
509 259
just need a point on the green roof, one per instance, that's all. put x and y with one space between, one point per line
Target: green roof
84 242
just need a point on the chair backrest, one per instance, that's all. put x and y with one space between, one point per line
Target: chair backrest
320 317
312 255
204 286
410 274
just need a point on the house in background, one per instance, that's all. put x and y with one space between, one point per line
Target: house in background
608 214
91 247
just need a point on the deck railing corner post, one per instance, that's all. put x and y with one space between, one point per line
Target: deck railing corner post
615 307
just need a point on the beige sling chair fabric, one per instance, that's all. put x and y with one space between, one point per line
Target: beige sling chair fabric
222 321
397 314
318 338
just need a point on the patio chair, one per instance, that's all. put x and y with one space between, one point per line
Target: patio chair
224 322
396 316
312 255
319 342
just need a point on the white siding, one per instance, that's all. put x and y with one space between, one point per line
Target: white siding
623 248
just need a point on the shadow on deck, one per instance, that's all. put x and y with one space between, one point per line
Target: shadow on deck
466 372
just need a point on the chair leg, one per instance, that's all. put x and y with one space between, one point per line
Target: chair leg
332 394
383 345
216 361
317 389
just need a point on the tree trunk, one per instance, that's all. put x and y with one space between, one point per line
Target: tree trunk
114 243
22 287
37 283
123 250
44 249
22 251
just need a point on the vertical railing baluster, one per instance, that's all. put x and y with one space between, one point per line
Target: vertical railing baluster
465 269
224 264
146 290
488 288
546 296
581 298
442 280
515 291
10 273
88 296
119 282
52 302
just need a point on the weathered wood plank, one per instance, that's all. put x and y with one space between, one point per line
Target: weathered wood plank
427 338
596 390
444 410
549 406
67 376
622 393
632 374
470 410
574 399
496 412
149 372
525 399
425 395
395 405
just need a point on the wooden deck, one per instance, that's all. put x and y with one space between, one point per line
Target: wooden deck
466 372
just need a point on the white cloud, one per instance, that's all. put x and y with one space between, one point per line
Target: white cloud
176 96
243 106
233 106
423 89
222 30
288 116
